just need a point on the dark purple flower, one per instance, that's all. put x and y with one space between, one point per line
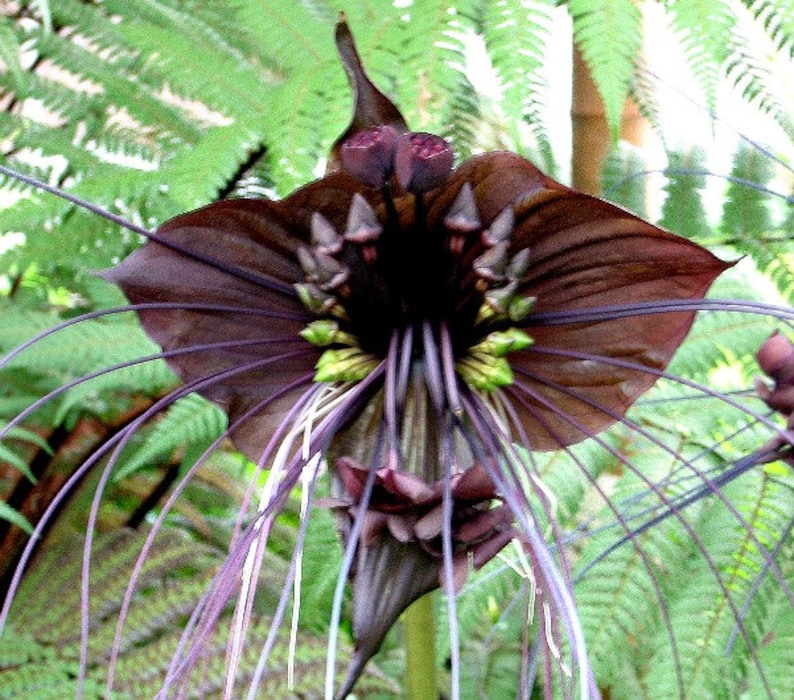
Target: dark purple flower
417 321
422 329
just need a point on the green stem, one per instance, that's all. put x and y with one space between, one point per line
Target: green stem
419 622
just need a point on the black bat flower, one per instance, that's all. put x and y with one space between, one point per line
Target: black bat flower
422 328
443 311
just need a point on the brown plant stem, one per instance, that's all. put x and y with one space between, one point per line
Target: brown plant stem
590 131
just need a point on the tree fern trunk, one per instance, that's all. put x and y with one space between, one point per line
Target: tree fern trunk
590 131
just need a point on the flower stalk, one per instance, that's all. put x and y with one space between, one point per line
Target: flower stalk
419 627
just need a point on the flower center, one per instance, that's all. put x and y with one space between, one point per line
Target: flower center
404 264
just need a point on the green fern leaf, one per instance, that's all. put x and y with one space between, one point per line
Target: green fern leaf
753 75
9 56
701 608
11 515
683 210
705 28
189 421
777 19
516 35
174 575
774 654
748 221
90 346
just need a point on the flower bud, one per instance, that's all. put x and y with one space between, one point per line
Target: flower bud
423 162
368 156
776 358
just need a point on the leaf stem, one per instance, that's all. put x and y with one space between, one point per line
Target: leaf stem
419 622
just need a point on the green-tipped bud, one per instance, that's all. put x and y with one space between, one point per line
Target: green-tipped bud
321 333
313 298
344 365
520 307
503 303
484 371
500 343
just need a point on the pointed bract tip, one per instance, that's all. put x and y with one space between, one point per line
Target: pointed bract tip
371 107
343 37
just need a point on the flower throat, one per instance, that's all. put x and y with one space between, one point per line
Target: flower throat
412 259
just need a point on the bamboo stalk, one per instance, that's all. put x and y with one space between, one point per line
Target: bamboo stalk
590 132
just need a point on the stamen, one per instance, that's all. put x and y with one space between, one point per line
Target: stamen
463 216
501 227
492 264
362 223
324 237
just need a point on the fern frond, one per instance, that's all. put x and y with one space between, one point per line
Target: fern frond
643 91
8 513
704 29
190 421
620 606
683 210
493 614
87 347
777 19
94 96
9 57
748 223
751 73
94 29
775 651
705 619
39 653
516 36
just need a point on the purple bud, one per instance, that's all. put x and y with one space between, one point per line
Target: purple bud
368 156
776 358
423 162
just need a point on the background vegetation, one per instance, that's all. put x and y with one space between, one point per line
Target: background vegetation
155 107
